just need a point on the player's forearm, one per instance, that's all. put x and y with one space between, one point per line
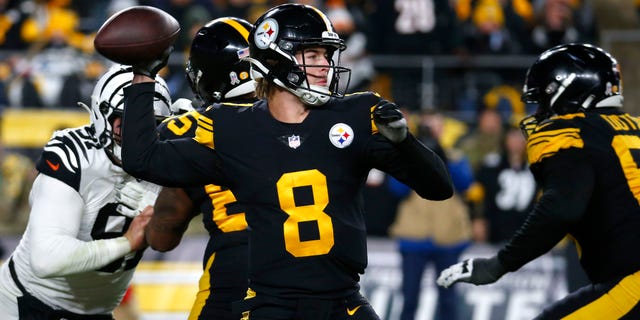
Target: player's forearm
138 129
427 174
172 214
567 183
63 256
181 162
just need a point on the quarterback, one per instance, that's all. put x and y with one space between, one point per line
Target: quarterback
296 161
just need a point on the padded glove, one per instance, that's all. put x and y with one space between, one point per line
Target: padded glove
390 121
151 68
133 196
477 271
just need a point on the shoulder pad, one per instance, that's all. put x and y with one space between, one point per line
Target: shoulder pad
552 136
62 155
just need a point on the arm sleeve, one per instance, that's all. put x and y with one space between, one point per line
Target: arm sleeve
413 164
173 163
54 222
567 184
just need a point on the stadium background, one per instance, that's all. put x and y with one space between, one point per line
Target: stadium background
424 54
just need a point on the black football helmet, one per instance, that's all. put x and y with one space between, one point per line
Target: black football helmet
283 31
215 70
571 78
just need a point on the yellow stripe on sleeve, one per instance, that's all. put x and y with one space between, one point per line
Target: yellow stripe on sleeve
547 143
204 132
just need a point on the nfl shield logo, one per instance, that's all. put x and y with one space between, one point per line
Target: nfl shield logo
294 141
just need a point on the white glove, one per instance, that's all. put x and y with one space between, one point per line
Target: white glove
181 106
390 121
477 271
135 195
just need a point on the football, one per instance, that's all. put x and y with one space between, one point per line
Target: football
136 34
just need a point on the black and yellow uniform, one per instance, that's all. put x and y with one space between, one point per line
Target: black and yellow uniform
588 166
299 184
225 261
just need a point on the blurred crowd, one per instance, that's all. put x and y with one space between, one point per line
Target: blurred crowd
47 58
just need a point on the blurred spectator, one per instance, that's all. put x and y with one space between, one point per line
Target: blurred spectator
432 231
355 56
13 14
401 27
509 187
486 32
485 140
192 15
53 24
517 15
560 22
506 100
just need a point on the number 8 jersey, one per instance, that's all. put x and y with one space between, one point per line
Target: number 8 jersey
300 184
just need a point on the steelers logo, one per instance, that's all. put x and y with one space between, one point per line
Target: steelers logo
266 33
341 135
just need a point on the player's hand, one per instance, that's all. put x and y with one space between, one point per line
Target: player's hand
390 121
136 233
133 196
477 271
151 68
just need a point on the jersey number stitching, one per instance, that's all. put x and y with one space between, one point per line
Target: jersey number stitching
307 213
623 144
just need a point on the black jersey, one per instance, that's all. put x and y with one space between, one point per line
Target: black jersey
221 216
595 156
300 184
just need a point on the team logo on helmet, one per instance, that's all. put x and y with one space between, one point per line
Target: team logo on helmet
266 33
341 135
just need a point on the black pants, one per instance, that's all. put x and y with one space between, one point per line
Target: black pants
354 307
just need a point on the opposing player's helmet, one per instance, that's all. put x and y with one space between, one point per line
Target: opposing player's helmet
107 102
285 30
214 69
570 78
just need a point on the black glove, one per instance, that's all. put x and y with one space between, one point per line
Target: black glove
390 121
477 271
151 68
